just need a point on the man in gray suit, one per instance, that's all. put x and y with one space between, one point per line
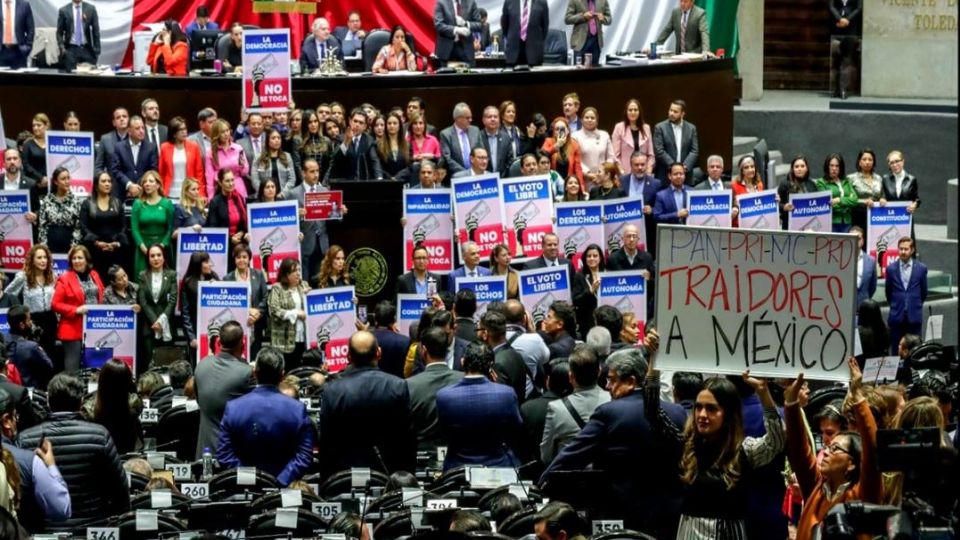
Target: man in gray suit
588 18
218 379
497 142
423 389
689 24
714 180
254 142
567 416
205 118
455 22
108 141
315 240
676 141
457 140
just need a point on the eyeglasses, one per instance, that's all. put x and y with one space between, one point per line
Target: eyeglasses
892 161
836 448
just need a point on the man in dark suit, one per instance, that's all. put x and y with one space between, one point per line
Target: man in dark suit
688 24
315 241
365 419
844 41
560 325
25 353
417 279
319 46
131 159
254 142
613 439
714 180
218 379
631 258
550 248
464 306
17 33
24 405
496 141
455 21
866 269
456 345
423 389
471 266
524 24
351 36
156 132
266 429
202 22
393 345
906 291
417 106
671 205
109 140
676 141
508 364
479 419
15 179
457 140
78 34
356 157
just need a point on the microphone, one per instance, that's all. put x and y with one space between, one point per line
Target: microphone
383 464
516 470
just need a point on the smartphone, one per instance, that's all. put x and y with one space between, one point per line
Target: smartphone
362 313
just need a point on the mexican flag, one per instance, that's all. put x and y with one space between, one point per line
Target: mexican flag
722 20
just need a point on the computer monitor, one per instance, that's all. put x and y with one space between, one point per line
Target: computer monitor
203 48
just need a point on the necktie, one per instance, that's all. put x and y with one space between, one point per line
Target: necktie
465 148
524 20
356 143
256 145
591 7
458 8
717 186
905 275
683 32
78 27
8 23
153 135
323 51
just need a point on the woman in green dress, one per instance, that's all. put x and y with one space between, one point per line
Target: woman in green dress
151 220
843 195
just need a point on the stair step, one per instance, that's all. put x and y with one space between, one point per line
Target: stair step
742 145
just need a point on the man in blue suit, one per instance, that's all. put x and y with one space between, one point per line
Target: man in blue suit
319 46
866 270
202 22
393 345
471 266
906 291
132 158
266 429
618 440
17 33
671 204
479 418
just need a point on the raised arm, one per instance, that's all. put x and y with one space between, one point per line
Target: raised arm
762 450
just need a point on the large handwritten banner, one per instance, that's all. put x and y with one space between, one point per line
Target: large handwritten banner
427 213
479 211
626 291
775 302
579 224
16 234
885 226
331 320
274 235
218 303
543 286
112 329
811 212
409 308
214 241
487 289
709 208
759 210
72 150
528 212
618 214
266 70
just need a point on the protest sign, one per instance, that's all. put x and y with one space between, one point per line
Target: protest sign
214 241
528 214
323 205
626 291
709 208
266 70
427 213
274 235
886 225
219 302
4 323
331 320
619 213
543 286
487 289
110 332
60 264
72 150
409 308
811 212
16 233
759 210
775 302
479 211
579 224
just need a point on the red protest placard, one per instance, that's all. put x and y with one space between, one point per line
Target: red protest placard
323 205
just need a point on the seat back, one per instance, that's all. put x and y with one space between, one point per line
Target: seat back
177 431
147 501
519 523
396 526
555 47
625 534
223 44
127 523
514 169
267 524
224 485
272 501
340 483
372 44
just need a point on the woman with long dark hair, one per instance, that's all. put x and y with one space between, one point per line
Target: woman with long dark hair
274 163
228 208
244 272
314 144
396 55
157 297
631 135
117 406
843 195
288 313
564 152
34 286
500 266
393 149
103 226
798 181
333 269
168 51
586 287
200 268
59 218
77 288
868 185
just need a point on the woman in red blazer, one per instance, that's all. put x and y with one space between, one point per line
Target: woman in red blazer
180 159
76 288
169 50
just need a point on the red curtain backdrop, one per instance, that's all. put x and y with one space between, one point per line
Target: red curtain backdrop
415 15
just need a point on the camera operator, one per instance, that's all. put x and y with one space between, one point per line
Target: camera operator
31 360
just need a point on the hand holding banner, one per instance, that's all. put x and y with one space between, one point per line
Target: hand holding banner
73 151
331 320
528 212
710 208
266 70
479 211
759 210
579 224
427 213
274 235
543 286
811 212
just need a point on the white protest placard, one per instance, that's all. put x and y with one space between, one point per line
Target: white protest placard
775 302
486 289
709 208
72 150
220 302
759 210
331 320
886 225
274 235
811 212
880 369
112 330
478 209
409 308
16 233
619 213
266 70
579 224
528 214
626 291
428 225
541 287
